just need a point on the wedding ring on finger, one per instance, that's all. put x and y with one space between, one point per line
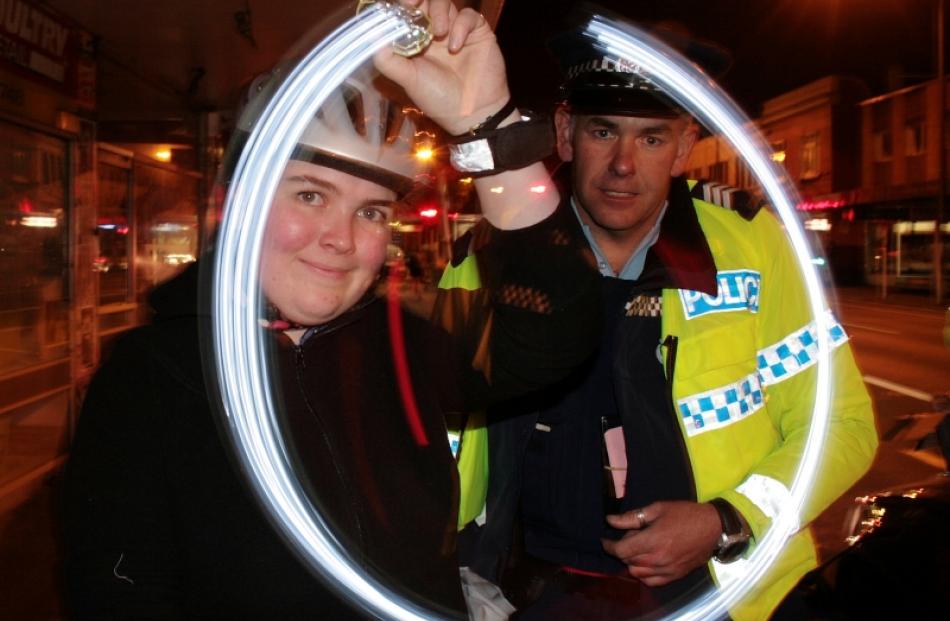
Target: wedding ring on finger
420 32
641 518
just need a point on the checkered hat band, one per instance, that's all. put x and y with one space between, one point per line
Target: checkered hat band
623 74
798 351
604 63
721 406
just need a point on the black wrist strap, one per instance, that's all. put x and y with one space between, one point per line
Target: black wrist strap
492 151
488 124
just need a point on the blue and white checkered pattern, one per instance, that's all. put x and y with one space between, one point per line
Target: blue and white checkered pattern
798 351
721 406
727 404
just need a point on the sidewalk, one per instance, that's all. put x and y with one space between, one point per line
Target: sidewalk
30 556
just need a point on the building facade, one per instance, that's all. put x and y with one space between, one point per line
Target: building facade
900 185
88 226
851 160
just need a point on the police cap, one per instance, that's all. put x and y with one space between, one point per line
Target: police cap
596 82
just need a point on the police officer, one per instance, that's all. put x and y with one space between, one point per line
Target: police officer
705 373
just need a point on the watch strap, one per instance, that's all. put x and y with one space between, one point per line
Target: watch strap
734 539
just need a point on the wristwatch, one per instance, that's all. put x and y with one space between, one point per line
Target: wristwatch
734 540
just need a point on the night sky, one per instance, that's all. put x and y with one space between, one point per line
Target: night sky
776 45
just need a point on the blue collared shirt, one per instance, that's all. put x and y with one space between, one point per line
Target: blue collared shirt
634 265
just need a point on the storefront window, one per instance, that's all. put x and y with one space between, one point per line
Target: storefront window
166 240
33 312
900 254
34 327
113 231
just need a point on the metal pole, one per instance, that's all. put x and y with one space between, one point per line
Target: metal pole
941 158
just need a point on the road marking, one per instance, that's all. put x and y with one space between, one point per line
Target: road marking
928 457
899 388
872 329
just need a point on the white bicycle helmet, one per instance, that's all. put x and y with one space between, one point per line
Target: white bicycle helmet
366 128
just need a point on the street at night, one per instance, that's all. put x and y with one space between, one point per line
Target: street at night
900 350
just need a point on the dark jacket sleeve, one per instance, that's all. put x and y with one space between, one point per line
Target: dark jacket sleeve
121 557
536 313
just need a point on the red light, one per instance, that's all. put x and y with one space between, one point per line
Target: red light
428 213
819 205
25 206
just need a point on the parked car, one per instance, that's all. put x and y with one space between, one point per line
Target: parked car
898 563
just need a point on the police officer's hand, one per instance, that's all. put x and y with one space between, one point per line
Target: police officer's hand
675 538
459 80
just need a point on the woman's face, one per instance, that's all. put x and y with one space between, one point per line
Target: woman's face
324 243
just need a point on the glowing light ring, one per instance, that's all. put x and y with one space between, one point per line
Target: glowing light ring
695 92
238 341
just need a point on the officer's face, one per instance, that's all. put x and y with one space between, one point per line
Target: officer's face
324 243
622 167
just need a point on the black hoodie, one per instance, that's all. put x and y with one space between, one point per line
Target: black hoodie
159 523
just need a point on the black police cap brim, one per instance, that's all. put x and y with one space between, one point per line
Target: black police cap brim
621 104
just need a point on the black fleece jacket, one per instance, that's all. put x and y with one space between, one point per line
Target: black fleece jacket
160 525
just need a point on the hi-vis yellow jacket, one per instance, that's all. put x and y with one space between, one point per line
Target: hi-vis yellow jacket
743 386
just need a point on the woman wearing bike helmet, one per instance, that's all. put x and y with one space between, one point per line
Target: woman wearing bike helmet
159 523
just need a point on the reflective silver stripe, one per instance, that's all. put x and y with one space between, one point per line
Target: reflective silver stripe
797 351
768 494
727 197
472 157
727 573
711 192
